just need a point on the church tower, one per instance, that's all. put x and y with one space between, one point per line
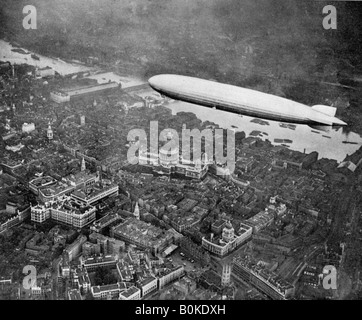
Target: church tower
83 167
228 232
50 132
136 211
7 125
226 273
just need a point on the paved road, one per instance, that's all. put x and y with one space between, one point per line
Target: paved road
55 268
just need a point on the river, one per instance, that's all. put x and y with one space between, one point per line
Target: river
303 137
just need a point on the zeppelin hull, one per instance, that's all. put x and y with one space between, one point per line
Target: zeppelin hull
235 109
243 101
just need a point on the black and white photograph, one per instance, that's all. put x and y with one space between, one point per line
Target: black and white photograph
188 154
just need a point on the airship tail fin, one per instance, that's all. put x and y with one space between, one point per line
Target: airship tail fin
330 111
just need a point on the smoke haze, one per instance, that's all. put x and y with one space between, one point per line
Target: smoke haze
266 43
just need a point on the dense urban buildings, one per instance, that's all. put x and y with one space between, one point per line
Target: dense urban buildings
143 235
228 240
269 283
64 210
95 225
66 95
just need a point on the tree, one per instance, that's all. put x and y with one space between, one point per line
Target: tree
89 296
104 276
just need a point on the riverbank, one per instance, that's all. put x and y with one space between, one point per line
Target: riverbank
304 140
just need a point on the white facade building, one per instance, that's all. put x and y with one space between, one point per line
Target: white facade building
228 241
28 127
132 293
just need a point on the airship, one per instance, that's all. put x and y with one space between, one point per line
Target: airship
243 101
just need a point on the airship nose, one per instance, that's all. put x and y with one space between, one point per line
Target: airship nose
152 81
157 82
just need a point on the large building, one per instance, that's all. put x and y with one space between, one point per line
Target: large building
59 96
261 220
184 221
54 192
132 293
106 221
74 294
75 249
81 279
110 291
147 285
67 211
28 127
90 196
48 188
143 235
90 249
91 264
40 213
169 162
37 184
71 200
64 210
13 217
269 283
185 285
78 180
37 245
107 245
228 240
168 275
169 157
292 159
44 72
65 95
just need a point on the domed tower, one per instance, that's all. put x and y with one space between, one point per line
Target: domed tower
169 156
228 232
